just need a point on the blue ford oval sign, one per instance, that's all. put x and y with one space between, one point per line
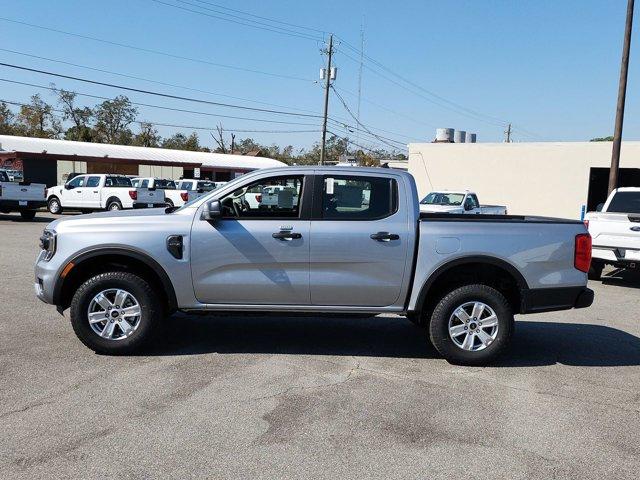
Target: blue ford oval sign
635 229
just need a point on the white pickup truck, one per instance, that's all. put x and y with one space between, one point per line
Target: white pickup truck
458 202
22 197
197 188
615 230
172 196
89 192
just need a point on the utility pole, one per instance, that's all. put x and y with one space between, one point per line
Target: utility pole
507 133
360 77
622 93
327 75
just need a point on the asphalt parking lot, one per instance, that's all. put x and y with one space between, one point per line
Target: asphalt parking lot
264 397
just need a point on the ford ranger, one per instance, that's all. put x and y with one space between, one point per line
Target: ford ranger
327 252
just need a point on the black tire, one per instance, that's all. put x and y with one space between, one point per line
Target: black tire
54 206
595 270
114 205
439 325
150 320
28 214
169 203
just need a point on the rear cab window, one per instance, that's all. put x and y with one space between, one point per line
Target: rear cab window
358 197
625 202
118 182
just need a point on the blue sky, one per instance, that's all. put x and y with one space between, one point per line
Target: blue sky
551 68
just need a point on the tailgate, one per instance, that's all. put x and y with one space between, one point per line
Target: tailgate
23 191
150 196
615 230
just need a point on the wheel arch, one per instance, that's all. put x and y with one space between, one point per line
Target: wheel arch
111 199
80 267
490 270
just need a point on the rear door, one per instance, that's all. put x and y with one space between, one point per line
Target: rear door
254 256
359 241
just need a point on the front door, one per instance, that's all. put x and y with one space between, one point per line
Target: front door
255 254
72 197
359 241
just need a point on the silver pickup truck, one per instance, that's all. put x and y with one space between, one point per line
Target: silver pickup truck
324 250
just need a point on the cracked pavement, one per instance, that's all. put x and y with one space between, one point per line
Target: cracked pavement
290 397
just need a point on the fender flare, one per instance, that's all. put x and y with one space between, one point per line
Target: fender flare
442 269
122 251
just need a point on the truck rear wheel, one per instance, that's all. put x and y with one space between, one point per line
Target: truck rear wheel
116 313
471 325
27 214
114 205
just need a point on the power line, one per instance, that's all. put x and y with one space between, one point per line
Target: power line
380 138
270 28
124 75
351 142
158 94
155 52
160 107
262 18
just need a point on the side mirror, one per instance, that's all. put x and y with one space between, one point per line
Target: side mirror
68 186
211 210
599 207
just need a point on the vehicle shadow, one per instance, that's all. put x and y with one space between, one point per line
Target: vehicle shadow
15 217
622 277
534 343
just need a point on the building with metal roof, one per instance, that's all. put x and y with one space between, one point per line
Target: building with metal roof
50 161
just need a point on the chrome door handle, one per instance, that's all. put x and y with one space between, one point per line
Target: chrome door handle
384 236
286 235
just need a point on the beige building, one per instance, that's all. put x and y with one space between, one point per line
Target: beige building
557 179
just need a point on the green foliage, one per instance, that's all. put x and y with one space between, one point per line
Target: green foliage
7 118
180 141
113 118
37 120
602 139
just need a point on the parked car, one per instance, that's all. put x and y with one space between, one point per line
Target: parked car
15 175
23 197
173 197
615 229
464 277
90 192
466 202
197 188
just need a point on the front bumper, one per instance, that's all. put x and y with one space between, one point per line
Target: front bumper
538 300
45 277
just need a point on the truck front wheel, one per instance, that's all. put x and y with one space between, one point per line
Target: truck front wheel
471 325
54 206
116 313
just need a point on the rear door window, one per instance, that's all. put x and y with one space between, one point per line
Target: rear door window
358 198
625 202
93 181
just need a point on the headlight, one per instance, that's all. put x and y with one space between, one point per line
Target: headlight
48 243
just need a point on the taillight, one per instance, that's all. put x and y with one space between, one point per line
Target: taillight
582 255
133 194
184 196
259 198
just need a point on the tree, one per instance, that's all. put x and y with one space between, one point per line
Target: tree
148 136
180 141
7 118
113 118
37 120
80 117
602 139
222 147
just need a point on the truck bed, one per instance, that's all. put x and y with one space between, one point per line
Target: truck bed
457 217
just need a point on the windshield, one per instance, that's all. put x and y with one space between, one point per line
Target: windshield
441 198
625 202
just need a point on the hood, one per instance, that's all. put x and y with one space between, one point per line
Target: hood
122 218
441 208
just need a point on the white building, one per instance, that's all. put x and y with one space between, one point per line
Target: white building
557 179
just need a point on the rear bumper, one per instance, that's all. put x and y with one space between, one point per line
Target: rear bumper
14 205
549 299
150 205
619 257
